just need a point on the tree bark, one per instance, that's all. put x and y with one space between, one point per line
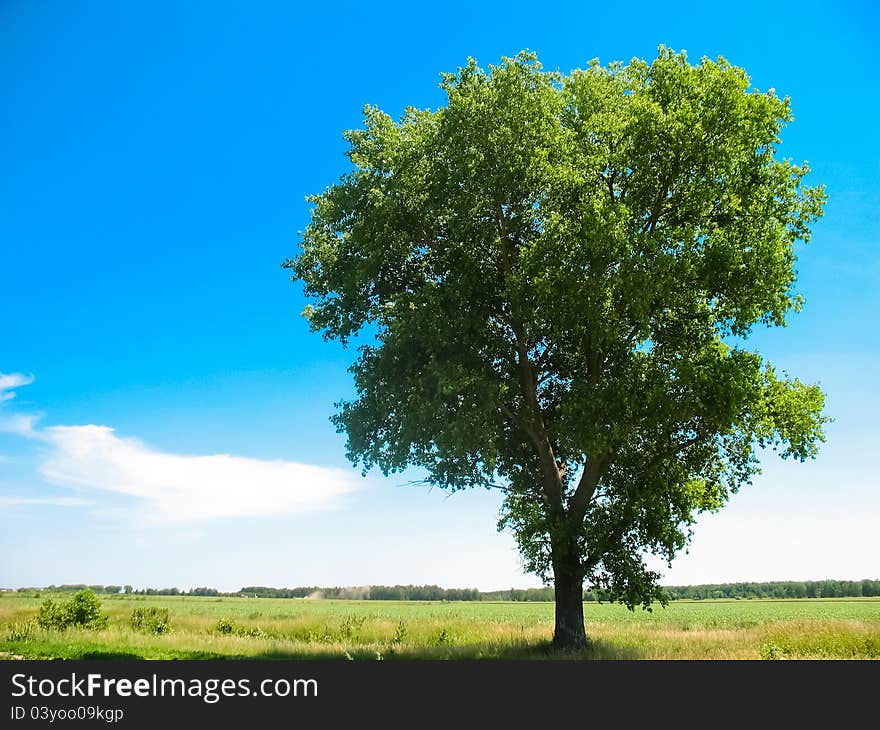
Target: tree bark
568 583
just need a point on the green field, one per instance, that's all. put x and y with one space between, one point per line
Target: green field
300 628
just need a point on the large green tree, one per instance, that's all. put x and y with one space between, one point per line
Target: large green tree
555 276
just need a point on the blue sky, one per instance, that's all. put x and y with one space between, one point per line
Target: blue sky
156 156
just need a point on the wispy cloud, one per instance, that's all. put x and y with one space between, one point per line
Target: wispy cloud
10 381
181 488
19 423
168 487
53 501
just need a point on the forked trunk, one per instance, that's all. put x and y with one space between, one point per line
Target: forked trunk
569 633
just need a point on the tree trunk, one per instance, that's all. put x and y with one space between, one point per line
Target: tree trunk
569 634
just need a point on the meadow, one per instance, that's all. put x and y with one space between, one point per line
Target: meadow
235 628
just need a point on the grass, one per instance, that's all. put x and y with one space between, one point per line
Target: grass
211 628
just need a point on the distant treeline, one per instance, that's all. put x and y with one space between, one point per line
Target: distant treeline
787 589
129 590
369 593
774 589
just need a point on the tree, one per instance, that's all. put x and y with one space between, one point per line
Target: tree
553 278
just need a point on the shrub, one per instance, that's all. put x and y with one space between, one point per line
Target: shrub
229 627
83 610
225 626
350 626
400 633
152 620
51 616
772 651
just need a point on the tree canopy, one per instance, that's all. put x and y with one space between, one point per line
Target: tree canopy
555 276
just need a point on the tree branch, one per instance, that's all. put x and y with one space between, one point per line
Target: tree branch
536 428
593 471
661 197
517 421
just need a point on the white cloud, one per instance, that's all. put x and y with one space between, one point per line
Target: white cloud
8 381
19 423
169 487
183 488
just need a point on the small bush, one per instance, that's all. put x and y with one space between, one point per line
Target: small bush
225 626
400 633
51 616
350 626
228 627
152 620
771 651
83 610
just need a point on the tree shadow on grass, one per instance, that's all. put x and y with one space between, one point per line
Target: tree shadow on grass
537 651
477 651
111 654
